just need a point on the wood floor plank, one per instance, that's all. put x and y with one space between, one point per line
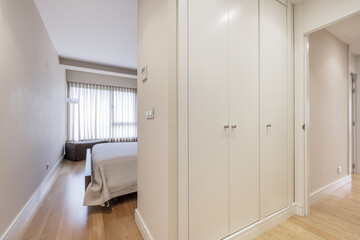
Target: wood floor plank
61 215
318 231
335 217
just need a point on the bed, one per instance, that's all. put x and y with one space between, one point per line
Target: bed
113 172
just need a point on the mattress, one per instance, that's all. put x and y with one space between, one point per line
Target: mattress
114 172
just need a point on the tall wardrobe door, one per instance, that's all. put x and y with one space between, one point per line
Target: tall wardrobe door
273 107
208 120
244 113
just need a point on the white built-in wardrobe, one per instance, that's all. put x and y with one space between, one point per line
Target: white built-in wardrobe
238 114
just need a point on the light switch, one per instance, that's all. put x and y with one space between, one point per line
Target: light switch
150 113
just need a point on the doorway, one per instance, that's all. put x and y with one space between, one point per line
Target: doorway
332 67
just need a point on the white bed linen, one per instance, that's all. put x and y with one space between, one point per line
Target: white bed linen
114 172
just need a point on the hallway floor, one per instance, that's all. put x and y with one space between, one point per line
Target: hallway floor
335 217
62 216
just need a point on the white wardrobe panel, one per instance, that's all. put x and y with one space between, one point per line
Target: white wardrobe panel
273 107
244 113
208 114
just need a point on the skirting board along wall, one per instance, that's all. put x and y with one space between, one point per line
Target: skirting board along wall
145 233
264 225
33 203
328 189
246 234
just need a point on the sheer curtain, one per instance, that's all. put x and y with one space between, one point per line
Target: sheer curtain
102 112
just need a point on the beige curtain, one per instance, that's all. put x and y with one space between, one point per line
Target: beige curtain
102 112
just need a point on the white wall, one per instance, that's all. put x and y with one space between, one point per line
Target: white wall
157 138
32 106
328 88
357 151
95 78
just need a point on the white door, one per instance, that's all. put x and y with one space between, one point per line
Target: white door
244 113
208 120
273 107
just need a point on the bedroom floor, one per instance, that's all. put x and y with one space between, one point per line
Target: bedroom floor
62 216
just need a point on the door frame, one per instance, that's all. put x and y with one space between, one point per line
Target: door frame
353 118
306 97
306 129
183 126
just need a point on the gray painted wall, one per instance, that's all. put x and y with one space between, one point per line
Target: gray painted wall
32 106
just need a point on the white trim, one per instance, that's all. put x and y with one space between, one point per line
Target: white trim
291 104
328 189
88 70
299 209
264 225
299 90
145 233
307 126
183 128
99 79
33 203
92 67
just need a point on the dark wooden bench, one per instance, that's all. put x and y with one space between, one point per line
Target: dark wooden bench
76 151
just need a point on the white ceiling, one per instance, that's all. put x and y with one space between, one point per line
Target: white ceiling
348 31
99 31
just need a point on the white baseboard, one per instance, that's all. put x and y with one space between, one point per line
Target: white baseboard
299 209
323 192
248 233
32 204
264 225
145 233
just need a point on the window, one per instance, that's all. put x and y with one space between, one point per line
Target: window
102 112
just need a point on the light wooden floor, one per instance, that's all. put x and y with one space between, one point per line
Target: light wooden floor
62 216
336 217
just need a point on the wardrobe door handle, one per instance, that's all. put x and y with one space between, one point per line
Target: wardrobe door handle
268 125
233 126
226 126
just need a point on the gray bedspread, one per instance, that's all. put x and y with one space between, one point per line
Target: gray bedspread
114 172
